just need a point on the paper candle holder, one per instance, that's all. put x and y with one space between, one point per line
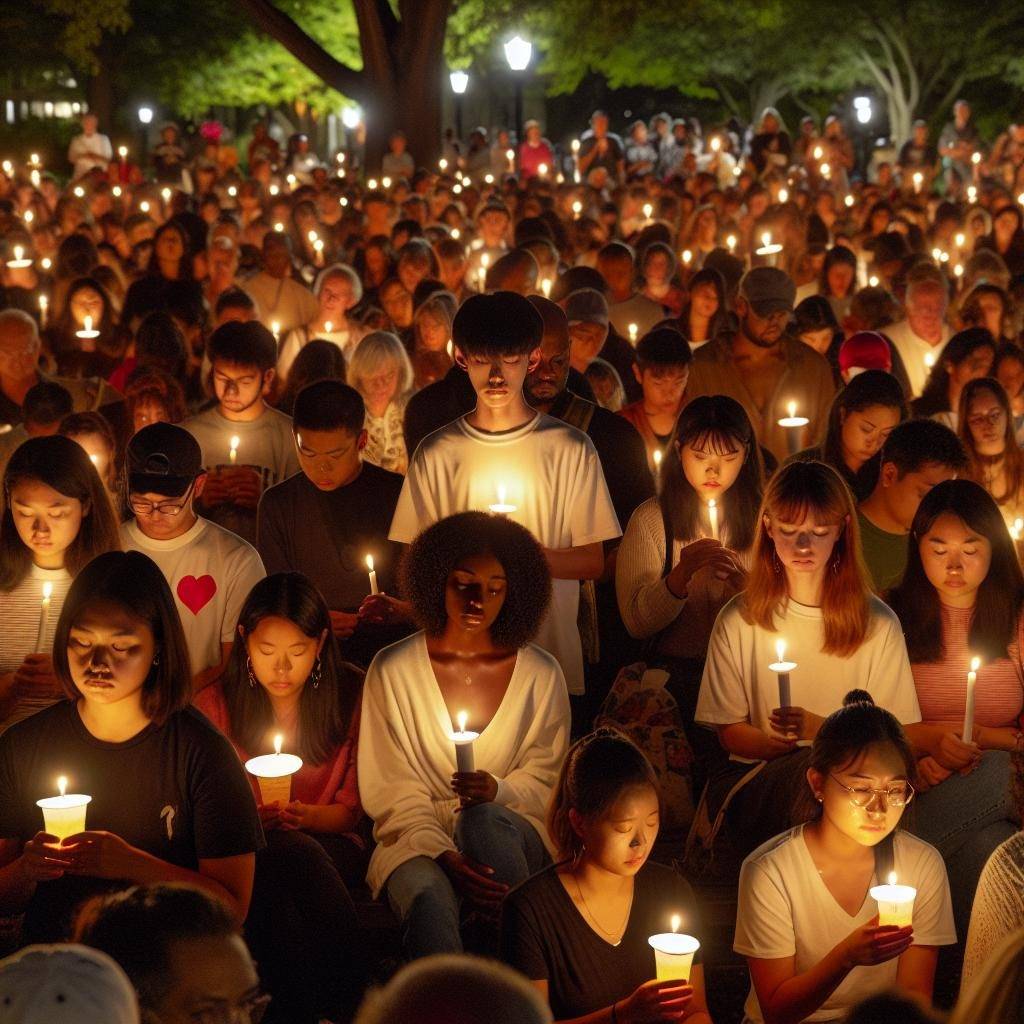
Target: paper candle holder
64 815
673 955
895 903
274 774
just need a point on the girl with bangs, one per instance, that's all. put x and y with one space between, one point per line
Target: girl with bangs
807 588
675 570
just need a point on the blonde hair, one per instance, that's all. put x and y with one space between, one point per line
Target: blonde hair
376 352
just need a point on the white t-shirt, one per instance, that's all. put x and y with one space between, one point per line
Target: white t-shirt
210 572
738 686
550 472
266 443
913 350
785 909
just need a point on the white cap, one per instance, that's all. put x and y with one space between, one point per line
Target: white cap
66 984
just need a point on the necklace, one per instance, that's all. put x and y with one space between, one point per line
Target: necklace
611 935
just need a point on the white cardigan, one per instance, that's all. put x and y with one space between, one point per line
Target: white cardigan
407 758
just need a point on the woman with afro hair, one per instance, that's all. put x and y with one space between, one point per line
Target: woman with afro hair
479 586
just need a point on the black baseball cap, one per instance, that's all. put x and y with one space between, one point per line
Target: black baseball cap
768 290
163 459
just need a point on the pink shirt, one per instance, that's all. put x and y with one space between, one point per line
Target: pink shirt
942 685
333 782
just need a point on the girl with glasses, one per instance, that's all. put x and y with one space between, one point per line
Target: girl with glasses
806 921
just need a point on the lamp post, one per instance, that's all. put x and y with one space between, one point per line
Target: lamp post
864 114
518 52
145 120
460 81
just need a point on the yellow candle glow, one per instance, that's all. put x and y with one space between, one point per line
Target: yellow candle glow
972 679
657 457
442 165
233 450
501 507
44 617
713 517
794 427
716 144
633 331
44 306
542 170
648 210
274 773
275 329
783 195
577 207
463 740
545 287
895 902
64 815
731 243
782 668
374 589
87 331
386 181
673 953
19 262
687 257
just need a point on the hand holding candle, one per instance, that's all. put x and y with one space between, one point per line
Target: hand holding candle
463 740
274 773
972 679
673 953
374 589
895 903
64 815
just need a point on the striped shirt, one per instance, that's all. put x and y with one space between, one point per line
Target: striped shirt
19 615
942 685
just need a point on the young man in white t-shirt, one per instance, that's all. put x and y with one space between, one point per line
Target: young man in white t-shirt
210 570
247 445
506 453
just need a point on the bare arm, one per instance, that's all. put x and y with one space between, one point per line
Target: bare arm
746 740
582 563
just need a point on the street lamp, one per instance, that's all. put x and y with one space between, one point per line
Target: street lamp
145 118
460 81
145 115
518 52
350 118
862 106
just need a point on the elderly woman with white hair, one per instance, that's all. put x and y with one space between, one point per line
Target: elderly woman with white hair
338 290
381 372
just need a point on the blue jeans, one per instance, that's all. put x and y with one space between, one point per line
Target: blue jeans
965 818
421 895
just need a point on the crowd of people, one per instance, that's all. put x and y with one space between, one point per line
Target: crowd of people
595 523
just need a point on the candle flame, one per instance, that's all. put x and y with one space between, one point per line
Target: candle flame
766 239
1018 524
791 407
657 458
47 590
892 877
780 650
975 664
275 328
501 494
676 922
687 255
62 785
88 323
462 717
234 441
18 252
278 743
711 505
369 562
329 326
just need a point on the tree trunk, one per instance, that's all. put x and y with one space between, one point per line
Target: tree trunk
99 88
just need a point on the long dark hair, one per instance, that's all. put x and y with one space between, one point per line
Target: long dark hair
1000 596
326 710
838 254
935 396
111 343
720 321
1012 456
867 389
720 422
62 464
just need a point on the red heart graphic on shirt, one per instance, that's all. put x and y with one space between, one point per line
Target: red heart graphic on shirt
196 594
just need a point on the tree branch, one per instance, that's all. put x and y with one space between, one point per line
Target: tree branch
305 48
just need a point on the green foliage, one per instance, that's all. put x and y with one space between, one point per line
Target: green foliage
83 25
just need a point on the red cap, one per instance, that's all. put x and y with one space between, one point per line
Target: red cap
865 350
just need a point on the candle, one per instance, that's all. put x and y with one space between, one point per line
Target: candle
275 329
29 217
166 195
64 815
386 181
44 306
374 589
768 248
795 426
782 668
87 332
713 517
575 146
716 144
972 194
673 953
233 450
328 326
463 740
144 206
274 773
318 252
577 207
633 331
972 679
648 210
485 261
44 617
501 507
975 158
122 152
731 243
895 902
19 262
510 156
783 195
687 257
46 263
918 181
542 170
825 170
442 165
657 457
818 152
545 287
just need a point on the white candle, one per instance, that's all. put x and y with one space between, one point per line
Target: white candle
274 773
19 262
918 181
768 249
64 815
502 507
782 668
895 902
275 329
374 589
442 165
542 170
545 287
44 617
44 306
648 210
485 261
795 426
673 953
166 194
713 517
87 331
657 457
233 450
463 740
633 331
731 243
144 206
972 679
687 257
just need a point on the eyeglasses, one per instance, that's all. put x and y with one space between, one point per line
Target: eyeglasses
990 418
165 508
249 1011
897 794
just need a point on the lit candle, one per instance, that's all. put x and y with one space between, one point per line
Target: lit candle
328 326
918 181
929 362
87 332
782 668
144 206
64 815
648 210
166 195
673 953
716 144
29 217
79 192
501 507
46 263
731 243
44 306
872 281
44 617
274 189
545 287
972 679
463 740
372 184
442 165
959 239
510 156
374 589
233 450
895 902
975 158
657 457
577 208
19 261
232 191
456 234
36 178
488 179
542 170
485 261
818 152
575 147
274 773
275 329
825 170
633 331
783 195
687 257
293 181
794 425
713 517
386 181
972 194
1017 530
318 251
768 248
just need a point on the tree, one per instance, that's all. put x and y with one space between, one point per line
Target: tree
399 83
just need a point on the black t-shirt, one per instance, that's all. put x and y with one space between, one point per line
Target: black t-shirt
176 791
545 937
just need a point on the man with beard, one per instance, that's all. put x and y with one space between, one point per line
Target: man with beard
766 372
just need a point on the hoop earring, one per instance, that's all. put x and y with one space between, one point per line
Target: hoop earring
835 566
252 675
317 674
156 659
776 564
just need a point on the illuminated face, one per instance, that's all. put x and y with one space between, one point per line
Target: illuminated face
819 340
711 465
336 298
704 300
863 432
239 388
87 302
46 520
956 559
992 311
432 333
379 388
663 388
110 653
209 978
977 364
282 656
804 547
587 340
329 458
986 420
169 246
475 593
763 331
879 767
621 840
548 379
19 352
1011 375
840 277
657 268
498 380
